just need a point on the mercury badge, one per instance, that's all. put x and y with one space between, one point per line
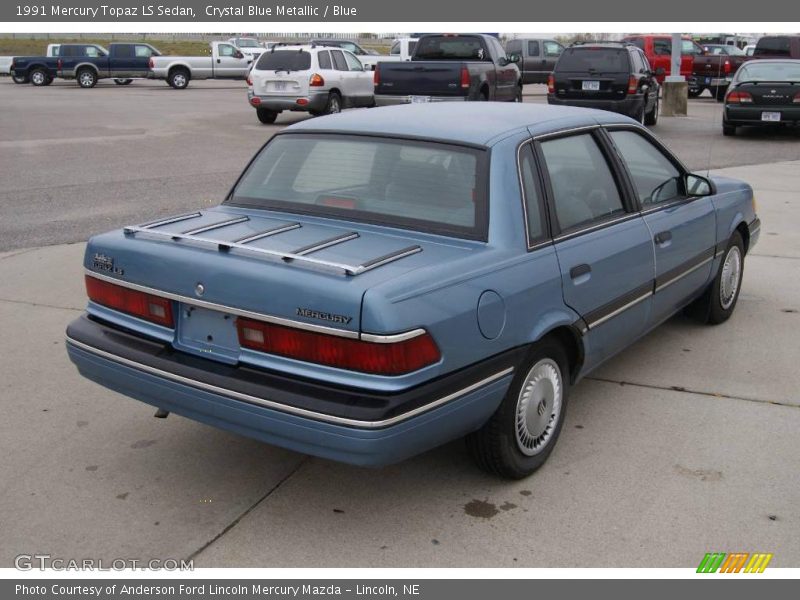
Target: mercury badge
101 262
199 289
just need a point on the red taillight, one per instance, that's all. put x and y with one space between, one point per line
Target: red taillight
796 99
727 67
316 80
139 304
551 84
302 101
151 63
344 353
739 98
376 75
58 64
464 77
633 85
249 81
255 101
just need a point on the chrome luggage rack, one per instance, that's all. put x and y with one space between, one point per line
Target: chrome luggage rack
298 255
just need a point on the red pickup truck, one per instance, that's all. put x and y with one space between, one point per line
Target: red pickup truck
701 69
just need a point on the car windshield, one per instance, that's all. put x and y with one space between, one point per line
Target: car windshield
247 43
450 47
428 186
769 71
594 60
284 60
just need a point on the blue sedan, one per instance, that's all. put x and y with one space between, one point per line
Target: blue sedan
380 282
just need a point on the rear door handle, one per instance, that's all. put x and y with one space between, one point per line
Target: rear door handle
662 237
579 270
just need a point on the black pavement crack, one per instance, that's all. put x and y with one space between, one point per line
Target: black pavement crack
40 304
249 509
681 389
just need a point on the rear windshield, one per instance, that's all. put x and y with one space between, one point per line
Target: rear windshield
284 60
594 60
776 46
433 187
769 71
442 47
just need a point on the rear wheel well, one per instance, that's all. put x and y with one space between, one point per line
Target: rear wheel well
179 68
569 339
744 231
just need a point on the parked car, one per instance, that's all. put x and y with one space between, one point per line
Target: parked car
249 46
702 70
307 78
778 46
538 56
226 61
87 63
613 76
763 92
381 282
749 49
368 58
450 67
401 49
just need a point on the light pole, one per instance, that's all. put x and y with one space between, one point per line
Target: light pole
676 88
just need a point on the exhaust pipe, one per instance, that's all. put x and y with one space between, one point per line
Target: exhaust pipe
161 414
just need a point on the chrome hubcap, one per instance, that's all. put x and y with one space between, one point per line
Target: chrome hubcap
334 105
37 77
86 79
731 275
179 80
539 407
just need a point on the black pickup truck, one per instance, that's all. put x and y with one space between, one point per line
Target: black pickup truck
88 63
450 67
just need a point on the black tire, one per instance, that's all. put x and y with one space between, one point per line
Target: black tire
86 77
695 92
178 78
518 95
334 104
20 79
123 81
49 81
651 118
266 116
497 446
718 302
728 129
719 93
483 96
39 77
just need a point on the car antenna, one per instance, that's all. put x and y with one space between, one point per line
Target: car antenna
713 121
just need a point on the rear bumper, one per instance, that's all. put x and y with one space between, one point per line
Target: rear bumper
629 106
707 81
386 100
316 102
751 115
336 423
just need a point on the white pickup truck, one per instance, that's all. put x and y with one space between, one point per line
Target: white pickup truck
225 62
249 46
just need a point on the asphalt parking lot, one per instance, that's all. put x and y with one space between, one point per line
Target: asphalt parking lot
685 443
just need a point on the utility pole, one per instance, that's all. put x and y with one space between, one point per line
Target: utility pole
676 88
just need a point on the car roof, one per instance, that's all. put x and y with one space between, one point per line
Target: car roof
472 123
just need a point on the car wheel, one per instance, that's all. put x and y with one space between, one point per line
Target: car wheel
87 78
728 129
334 104
719 93
716 305
123 81
518 95
521 434
695 92
651 118
178 79
39 77
20 79
49 81
266 116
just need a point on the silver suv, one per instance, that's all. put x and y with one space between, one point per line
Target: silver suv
306 77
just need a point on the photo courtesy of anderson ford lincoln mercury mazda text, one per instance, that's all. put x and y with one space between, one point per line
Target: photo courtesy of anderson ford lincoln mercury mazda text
379 282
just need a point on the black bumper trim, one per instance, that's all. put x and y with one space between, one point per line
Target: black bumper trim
317 400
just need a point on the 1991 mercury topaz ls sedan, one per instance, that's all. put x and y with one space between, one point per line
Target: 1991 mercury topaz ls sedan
380 282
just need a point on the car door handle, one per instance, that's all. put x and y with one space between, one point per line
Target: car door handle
662 237
579 270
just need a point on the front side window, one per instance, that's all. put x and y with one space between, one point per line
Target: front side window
553 49
421 185
352 62
92 52
584 190
226 50
395 48
143 51
654 176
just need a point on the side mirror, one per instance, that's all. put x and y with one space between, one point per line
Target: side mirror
503 61
239 54
514 58
698 186
660 71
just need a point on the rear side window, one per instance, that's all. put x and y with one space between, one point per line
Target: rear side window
124 51
534 208
584 190
774 46
338 60
324 59
284 60
421 185
455 47
533 48
594 60
395 48
662 46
